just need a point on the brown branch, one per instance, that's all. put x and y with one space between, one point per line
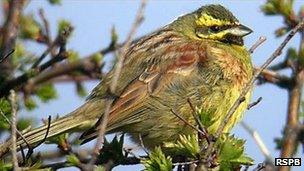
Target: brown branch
269 76
7 55
22 79
248 86
279 66
8 37
18 132
290 133
46 27
113 85
13 102
10 28
260 41
254 103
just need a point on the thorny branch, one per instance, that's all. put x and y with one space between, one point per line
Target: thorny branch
113 85
248 86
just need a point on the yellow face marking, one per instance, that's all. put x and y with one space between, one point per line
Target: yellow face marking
214 36
207 20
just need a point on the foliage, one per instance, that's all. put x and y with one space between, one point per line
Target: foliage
231 153
112 151
158 161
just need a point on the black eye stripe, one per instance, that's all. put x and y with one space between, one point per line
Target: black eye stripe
216 28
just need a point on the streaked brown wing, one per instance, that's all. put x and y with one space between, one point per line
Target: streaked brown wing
176 61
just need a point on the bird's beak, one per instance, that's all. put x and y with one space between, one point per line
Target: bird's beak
240 30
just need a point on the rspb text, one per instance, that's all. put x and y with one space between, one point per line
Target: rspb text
287 161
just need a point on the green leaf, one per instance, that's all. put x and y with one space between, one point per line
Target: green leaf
187 145
58 139
30 103
269 9
29 27
72 160
114 37
24 123
281 31
157 161
206 117
46 92
63 25
231 154
73 56
112 151
97 58
6 109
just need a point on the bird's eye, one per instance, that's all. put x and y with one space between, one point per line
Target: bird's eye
215 28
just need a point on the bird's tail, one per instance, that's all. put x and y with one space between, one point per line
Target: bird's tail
82 118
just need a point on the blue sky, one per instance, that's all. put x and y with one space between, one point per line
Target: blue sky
94 19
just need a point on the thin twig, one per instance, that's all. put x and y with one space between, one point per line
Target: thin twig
113 85
31 149
198 122
255 135
61 40
142 144
18 132
260 41
7 55
248 86
254 103
186 122
13 102
46 26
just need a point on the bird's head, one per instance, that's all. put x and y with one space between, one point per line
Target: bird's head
213 22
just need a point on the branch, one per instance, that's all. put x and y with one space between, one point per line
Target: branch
10 28
13 102
113 85
295 93
22 79
7 55
269 76
260 41
8 37
248 86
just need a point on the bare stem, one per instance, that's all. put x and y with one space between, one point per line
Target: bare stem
260 41
13 103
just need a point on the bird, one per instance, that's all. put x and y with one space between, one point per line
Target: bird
200 57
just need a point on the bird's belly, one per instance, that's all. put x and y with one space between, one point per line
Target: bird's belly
161 125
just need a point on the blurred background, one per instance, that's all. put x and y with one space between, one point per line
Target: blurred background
94 19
